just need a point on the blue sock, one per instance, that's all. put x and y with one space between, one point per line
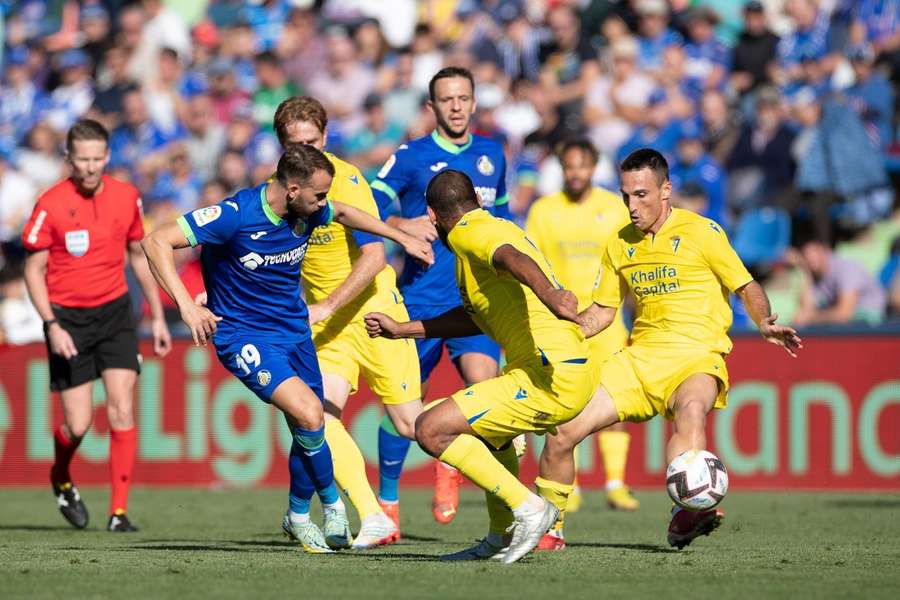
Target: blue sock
302 487
392 449
315 455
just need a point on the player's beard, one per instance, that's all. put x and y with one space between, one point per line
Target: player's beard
575 192
453 133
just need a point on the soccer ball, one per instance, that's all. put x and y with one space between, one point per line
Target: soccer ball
697 480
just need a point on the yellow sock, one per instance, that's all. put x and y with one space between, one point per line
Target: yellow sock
474 460
350 469
557 494
500 514
614 451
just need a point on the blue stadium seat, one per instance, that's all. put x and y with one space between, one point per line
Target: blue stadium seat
762 236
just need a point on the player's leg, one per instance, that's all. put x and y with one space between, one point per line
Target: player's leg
476 359
120 385
613 443
689 405
78 412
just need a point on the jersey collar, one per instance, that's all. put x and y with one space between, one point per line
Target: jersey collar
270 214
448 146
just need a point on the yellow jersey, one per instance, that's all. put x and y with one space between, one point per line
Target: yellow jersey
333 250
680 279
573 237
499 304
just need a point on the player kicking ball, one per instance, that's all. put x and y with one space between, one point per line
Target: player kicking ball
509 292
679 267
253 246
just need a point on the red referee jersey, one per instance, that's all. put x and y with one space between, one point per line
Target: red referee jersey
87 238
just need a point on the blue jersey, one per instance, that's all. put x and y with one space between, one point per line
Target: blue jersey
251 266
405 177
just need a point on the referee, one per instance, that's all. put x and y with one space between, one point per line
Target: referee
78 236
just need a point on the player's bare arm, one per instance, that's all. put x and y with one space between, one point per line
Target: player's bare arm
561 302
162 339
35 280
160 248
757 304
453 323
370 263
595 318
360 220
418 227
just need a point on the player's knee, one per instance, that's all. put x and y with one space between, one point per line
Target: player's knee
78 429
309 415
120 413
561 443
426 432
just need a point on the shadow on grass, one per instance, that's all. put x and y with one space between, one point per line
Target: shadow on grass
864 503
647 548
36 528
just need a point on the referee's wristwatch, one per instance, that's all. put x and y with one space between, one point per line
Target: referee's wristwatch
48 323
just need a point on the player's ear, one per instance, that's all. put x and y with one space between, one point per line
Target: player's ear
431 216
480 201
325 137
667 190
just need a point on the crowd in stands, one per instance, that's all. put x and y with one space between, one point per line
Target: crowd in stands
778 117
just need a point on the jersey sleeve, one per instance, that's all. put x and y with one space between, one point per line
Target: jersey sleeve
608 288
357 193
38 232
136 230
501 204
214 224
722 258
479 242
392 180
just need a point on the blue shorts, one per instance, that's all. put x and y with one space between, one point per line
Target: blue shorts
263 366
430 349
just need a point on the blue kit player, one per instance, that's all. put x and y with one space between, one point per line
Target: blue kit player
432 292
253 246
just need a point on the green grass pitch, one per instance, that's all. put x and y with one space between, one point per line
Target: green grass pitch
227 544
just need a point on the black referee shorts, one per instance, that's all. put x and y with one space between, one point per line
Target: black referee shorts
106 338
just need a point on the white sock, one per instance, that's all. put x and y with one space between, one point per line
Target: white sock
299 517
339 505
614 484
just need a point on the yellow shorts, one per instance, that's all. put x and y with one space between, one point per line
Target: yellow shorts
641 380
390 367
535 398
608 342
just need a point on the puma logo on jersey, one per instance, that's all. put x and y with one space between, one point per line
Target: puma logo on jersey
438 166
257 235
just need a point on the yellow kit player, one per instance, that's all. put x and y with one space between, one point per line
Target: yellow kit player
572 228
345 275
680 268
509 293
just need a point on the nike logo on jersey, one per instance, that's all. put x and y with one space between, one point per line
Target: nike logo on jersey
438 166
257 235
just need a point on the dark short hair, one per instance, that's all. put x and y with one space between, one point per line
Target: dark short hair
581 143
86 129
267 57
650 159
451 192
299 108
448 73
299 162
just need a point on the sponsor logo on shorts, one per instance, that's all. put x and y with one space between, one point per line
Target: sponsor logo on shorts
264 378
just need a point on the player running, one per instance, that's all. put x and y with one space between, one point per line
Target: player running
345 274
571 228
78 237
508 291
253 245
679 267
429 293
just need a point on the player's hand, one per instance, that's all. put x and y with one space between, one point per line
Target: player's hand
419 250
200 321
420 228
162 339
563 304
780 335
380 325
200 299
61 342
319 312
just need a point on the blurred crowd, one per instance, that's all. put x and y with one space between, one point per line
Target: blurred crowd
778 117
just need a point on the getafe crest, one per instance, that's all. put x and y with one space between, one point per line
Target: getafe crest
485 166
